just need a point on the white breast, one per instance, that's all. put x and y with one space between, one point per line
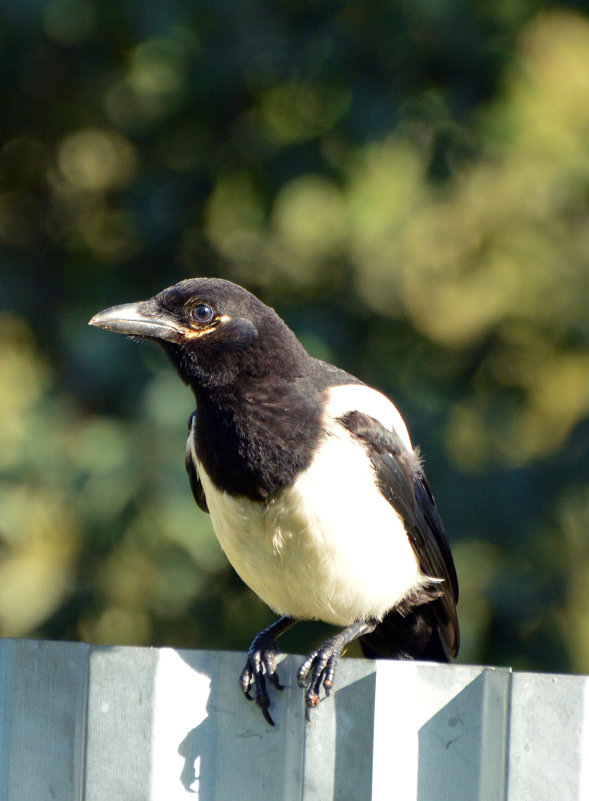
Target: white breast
330 546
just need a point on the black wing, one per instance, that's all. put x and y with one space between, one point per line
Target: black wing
195 485
430 615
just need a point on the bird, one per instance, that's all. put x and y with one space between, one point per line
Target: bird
315 492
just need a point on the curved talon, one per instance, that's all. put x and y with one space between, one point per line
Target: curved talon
320 665
317 671
261 666
275 681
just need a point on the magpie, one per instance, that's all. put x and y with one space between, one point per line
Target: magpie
315 492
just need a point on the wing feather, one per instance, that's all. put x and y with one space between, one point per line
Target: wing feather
192 469
403 483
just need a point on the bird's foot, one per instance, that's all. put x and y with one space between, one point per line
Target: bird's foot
318 670
261 664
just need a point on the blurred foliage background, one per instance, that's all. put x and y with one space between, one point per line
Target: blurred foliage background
407 182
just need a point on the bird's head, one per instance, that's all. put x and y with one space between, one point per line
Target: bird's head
212 330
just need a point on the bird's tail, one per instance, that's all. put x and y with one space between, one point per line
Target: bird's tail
412 636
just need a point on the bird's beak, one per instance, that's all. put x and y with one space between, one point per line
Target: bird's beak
142 319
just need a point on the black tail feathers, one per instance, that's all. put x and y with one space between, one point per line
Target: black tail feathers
412 636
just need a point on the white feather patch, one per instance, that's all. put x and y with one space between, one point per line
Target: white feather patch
330 546
361 398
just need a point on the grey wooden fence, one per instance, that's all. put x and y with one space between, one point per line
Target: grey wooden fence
86 723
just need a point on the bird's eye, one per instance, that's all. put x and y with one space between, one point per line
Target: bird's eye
203 313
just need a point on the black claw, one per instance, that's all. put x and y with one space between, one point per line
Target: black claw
267 715
275 681
261 666
318 670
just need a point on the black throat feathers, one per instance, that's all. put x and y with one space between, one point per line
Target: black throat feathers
254 441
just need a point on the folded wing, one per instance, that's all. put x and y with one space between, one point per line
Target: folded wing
427 622
192 470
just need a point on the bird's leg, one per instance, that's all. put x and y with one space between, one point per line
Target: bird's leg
322 663
261 659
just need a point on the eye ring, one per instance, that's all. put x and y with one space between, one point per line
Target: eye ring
202 313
